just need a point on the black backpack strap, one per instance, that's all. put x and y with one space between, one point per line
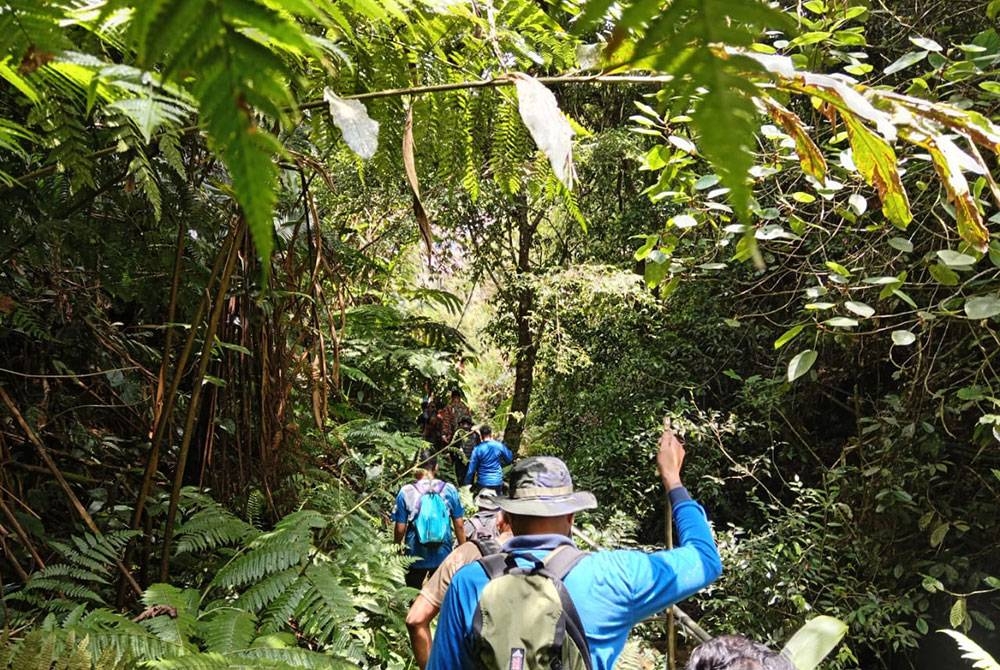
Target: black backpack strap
556 566
487 547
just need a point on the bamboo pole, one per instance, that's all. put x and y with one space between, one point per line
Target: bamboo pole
57 473
193 407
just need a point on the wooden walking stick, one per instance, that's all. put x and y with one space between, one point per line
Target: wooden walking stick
668 530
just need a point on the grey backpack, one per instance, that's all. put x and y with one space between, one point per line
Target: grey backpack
525 618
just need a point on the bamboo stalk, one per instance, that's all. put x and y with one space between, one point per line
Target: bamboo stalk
194 405
22 535
57 473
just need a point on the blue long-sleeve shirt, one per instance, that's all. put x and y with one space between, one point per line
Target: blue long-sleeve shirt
486 464
612 590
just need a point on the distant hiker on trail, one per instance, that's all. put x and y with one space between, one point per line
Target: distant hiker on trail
504 611
427 511
487 461
484 539
432 428
462 444
452 416
733 652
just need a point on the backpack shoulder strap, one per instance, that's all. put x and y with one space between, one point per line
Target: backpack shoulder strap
486 547
557 565
563 559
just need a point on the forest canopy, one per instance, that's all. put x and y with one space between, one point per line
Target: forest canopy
243 238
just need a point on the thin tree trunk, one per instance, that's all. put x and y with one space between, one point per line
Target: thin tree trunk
527 338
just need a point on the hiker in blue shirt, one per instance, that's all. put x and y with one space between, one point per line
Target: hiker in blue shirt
409 501
487 461
611 590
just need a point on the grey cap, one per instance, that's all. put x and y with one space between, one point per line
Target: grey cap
542 486
486 501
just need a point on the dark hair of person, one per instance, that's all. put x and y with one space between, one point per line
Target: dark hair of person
484 431
456 393
427 460
733 652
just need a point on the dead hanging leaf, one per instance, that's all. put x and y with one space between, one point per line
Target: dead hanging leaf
547 124
810 157
876 161
33 59
360 131
949 161
410 166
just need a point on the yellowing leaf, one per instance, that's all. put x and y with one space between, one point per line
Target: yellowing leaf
810 157
788 335
876 161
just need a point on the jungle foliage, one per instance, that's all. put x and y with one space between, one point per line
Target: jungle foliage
237 239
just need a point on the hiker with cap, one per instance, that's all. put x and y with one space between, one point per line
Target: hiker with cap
487 461
486 531
427 511
543 603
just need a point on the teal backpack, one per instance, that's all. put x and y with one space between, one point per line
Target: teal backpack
430 516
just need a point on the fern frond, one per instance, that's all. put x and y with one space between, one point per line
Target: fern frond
326 606
287 545
227 629
210 528
178 623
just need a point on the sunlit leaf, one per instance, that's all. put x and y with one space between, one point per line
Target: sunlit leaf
877 163
788 335
903 338
860 308
954 259
801 363
841 322
547 124
901 244
982 307
814 641
905 61
351 117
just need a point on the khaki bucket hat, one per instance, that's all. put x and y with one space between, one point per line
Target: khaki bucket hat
542 486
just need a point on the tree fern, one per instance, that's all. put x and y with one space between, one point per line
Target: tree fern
227 629
287 545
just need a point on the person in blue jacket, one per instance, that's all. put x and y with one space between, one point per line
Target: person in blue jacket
612 590
487 461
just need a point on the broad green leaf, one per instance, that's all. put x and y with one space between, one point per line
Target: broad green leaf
877 163
814 641
860 308
901 244
958 613
360 131
939 532
944 275
838 268
788 335
905 61
801 363
903 338
982 307
706 181
954 259
682 221
801 196
820 305
547 124
841 322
